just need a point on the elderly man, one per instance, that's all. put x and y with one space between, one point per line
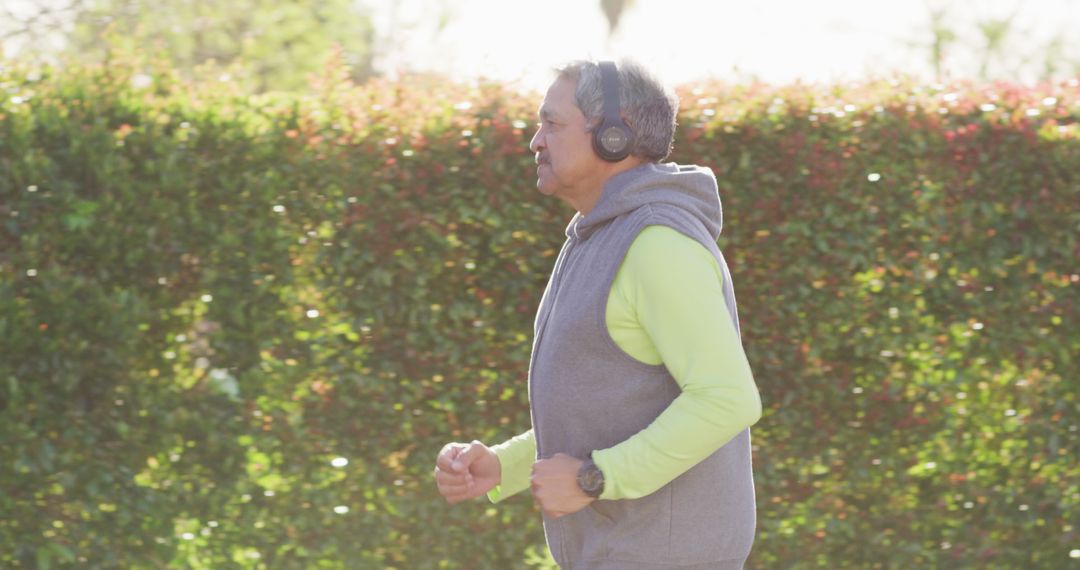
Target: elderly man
641 394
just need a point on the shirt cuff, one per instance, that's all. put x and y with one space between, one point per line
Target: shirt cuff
601 459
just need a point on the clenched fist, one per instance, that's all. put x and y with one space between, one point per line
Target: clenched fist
466 471
555 487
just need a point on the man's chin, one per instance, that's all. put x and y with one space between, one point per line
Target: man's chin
544 187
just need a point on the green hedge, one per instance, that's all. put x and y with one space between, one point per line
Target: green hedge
207 297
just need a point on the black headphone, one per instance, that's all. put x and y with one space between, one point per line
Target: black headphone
613 139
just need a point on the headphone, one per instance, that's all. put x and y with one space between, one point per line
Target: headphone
613 139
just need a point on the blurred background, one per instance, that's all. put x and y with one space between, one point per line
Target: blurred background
261 259
517 41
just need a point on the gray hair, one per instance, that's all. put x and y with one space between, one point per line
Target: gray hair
648 107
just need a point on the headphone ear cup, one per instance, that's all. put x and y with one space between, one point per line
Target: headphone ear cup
612 140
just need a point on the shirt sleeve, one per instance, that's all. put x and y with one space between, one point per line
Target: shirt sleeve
516 458
674 287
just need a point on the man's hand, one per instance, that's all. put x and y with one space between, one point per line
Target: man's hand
466 471
555 487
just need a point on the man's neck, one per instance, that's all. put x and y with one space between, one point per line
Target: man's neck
588 199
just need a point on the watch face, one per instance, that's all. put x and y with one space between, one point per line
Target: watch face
591 480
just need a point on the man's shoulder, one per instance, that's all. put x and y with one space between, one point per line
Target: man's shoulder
658 245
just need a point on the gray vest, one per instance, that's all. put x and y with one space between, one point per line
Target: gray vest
587 394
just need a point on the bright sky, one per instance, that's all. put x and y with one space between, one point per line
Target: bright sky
775 40
778 41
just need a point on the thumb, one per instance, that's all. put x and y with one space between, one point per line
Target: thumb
474 451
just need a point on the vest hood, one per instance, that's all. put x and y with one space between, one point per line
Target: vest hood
691 188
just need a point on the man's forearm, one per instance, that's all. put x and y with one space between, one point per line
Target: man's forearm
516 457
693 427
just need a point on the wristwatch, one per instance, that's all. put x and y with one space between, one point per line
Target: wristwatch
590 478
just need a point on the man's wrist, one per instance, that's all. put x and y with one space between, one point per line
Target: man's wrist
590 478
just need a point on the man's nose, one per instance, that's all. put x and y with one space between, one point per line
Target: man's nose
537 141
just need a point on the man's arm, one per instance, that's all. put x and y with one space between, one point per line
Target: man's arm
516 456
673 286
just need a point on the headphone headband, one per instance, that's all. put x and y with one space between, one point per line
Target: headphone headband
609 78
613 139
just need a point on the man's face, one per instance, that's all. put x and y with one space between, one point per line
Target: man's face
568 167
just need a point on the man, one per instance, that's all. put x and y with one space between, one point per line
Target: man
641 394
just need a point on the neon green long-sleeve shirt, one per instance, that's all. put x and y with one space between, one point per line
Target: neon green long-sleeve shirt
666 306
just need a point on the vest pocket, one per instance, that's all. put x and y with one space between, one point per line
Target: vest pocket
593 529
633 529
